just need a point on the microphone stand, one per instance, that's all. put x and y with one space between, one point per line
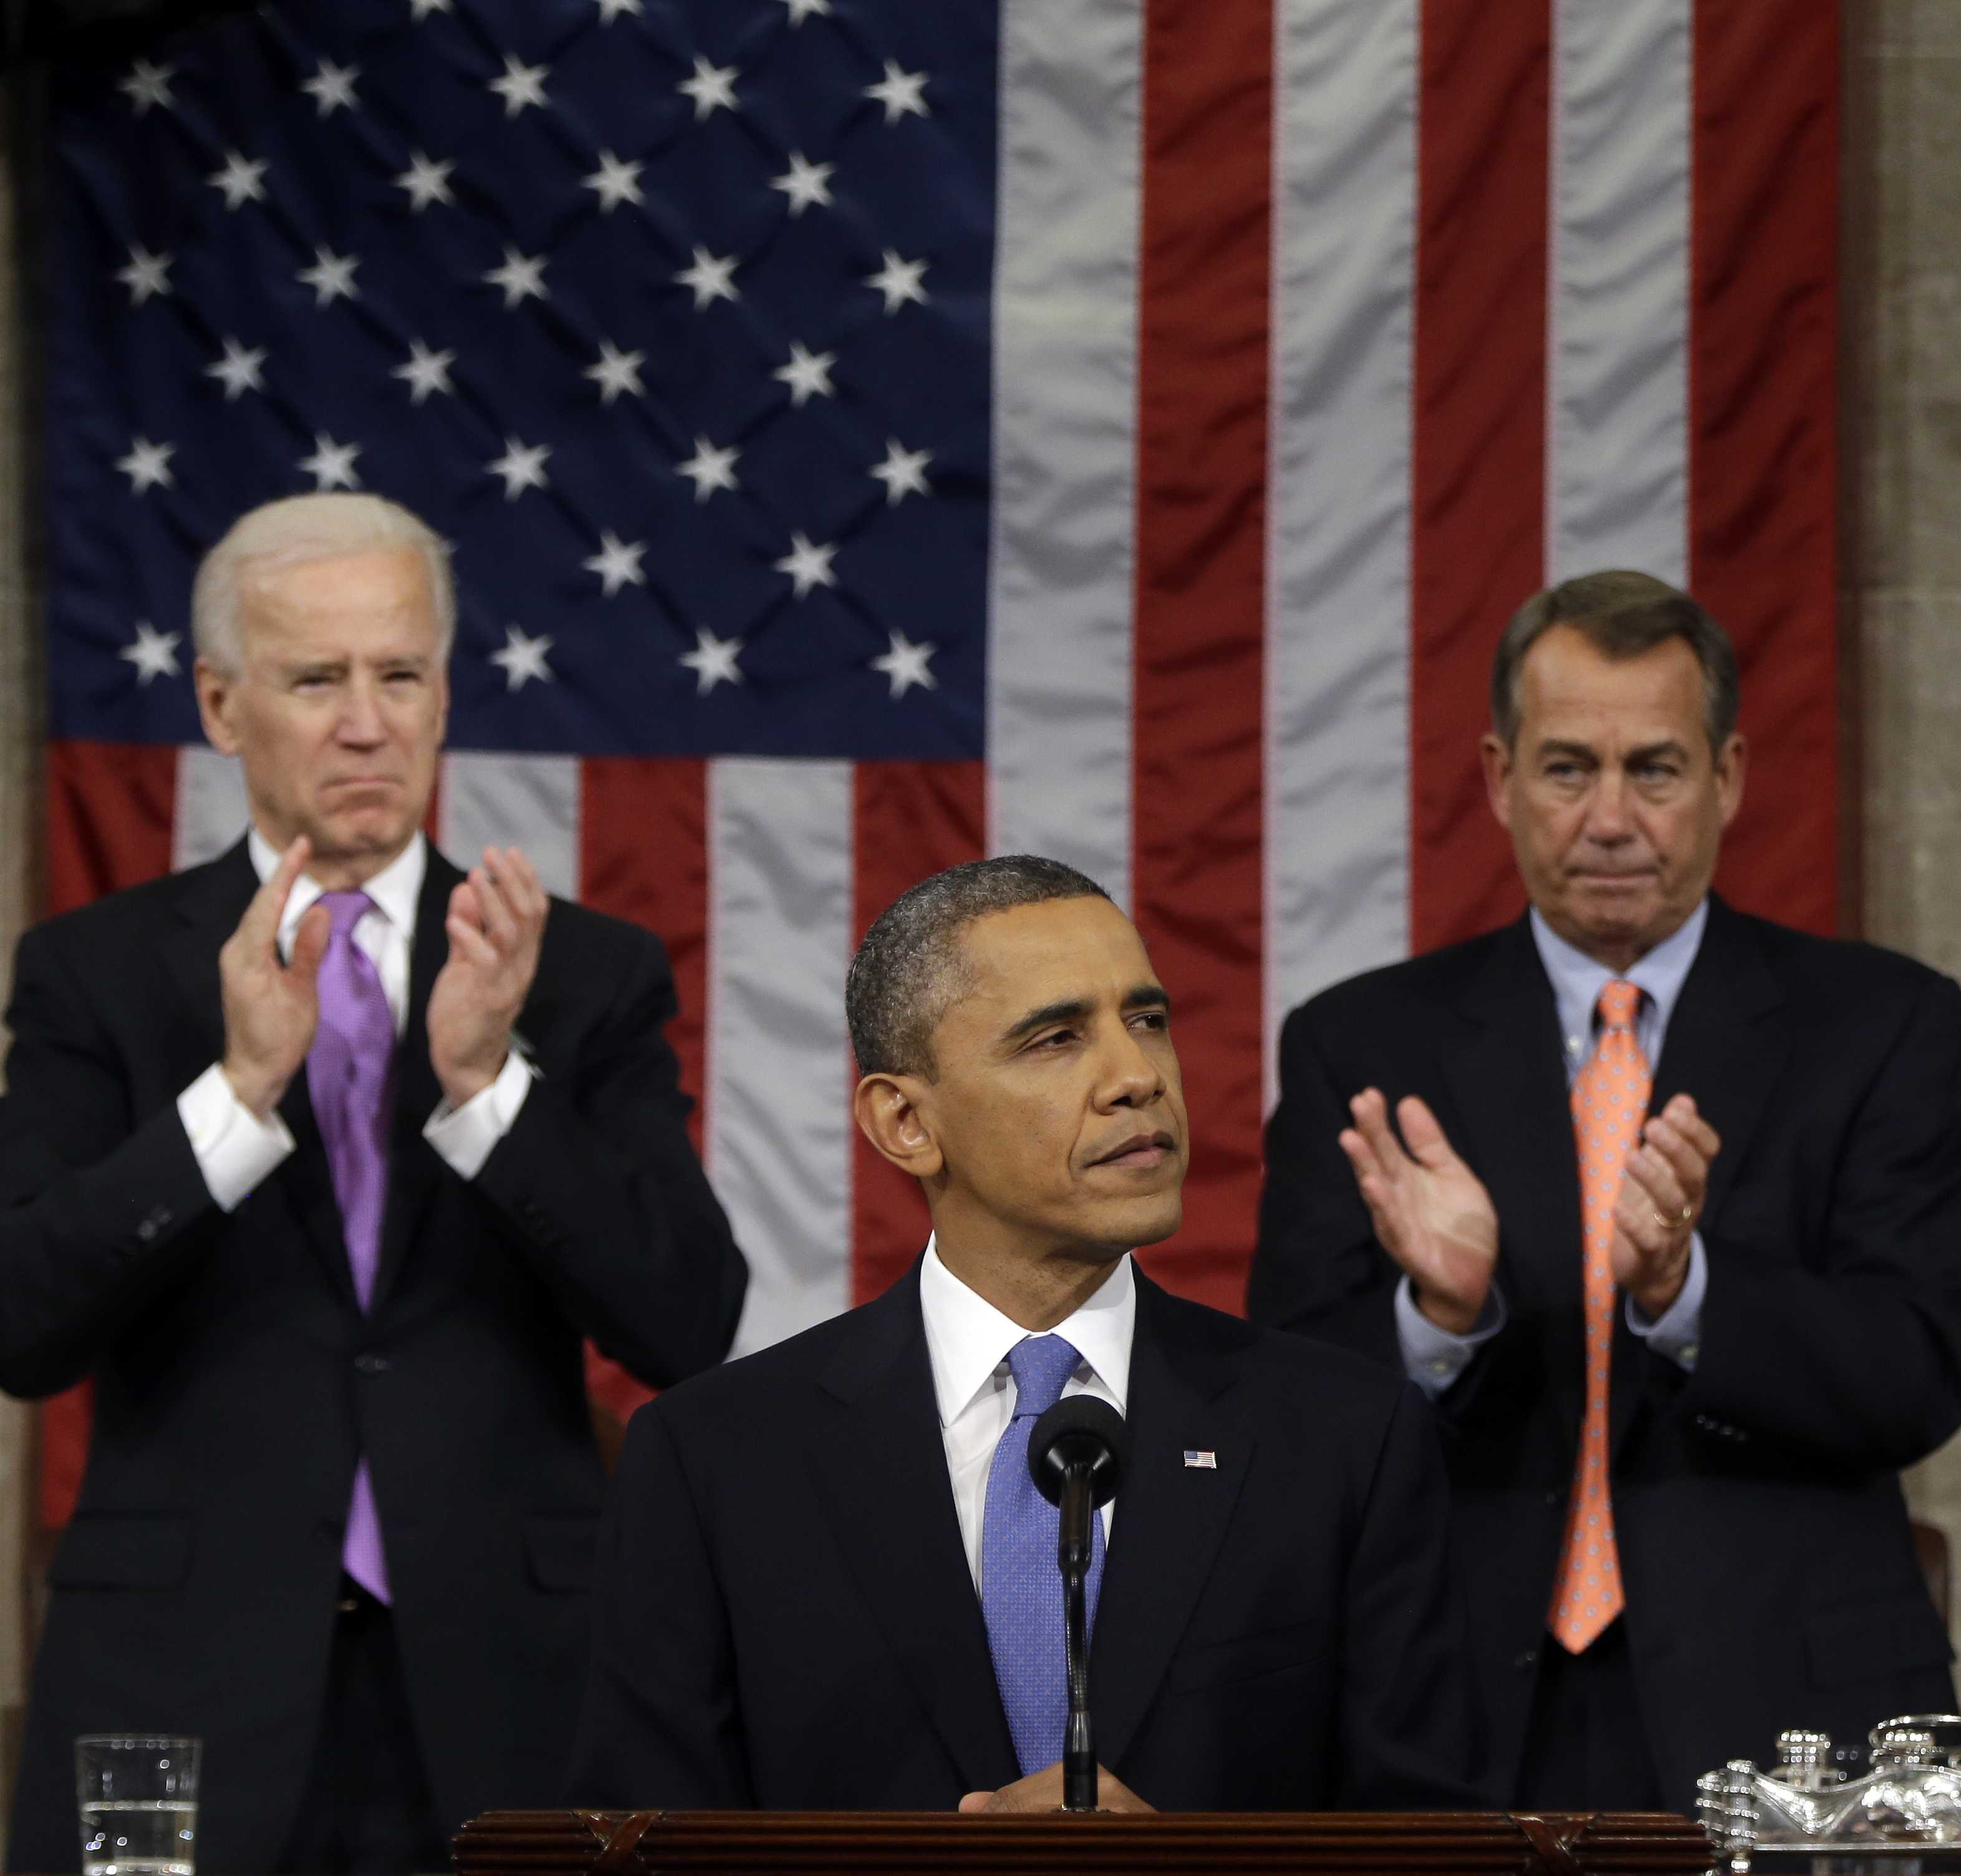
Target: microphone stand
1073 1553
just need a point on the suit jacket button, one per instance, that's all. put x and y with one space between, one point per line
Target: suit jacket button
1527 1659
372 1364
1552 1497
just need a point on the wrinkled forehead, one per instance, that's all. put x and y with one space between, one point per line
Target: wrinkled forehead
1079 951
1569 690
375 603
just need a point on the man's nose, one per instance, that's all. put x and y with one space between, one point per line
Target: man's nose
1607 815
1132 1077
361 716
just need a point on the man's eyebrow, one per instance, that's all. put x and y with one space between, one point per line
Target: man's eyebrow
1553 745
1071 1009
1648 751
1148 997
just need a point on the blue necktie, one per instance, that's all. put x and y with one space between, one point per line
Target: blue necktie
1021 1586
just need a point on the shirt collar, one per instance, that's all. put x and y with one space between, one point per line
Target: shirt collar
1578 980
967 1339
396 889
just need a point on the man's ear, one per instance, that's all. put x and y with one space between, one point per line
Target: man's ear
1496 760
214 689
887 1109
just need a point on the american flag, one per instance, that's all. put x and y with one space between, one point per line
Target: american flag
875 432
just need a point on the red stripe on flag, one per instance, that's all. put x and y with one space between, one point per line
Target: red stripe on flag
1478 518
1205 279
109 811
910 820
1762 430
643 856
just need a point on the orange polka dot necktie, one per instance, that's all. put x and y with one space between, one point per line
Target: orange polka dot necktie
1610 1103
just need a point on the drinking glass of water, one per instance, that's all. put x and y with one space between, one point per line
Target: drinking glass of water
137 1792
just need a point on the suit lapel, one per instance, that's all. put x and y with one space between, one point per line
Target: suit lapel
213 901
881 1467
1725 1046
1507 1078
414 1170
1170 1518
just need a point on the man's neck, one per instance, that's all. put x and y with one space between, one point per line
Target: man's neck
1036 1289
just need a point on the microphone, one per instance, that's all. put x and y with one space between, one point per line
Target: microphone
1076 1454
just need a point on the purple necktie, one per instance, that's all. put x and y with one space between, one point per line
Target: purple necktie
349 1070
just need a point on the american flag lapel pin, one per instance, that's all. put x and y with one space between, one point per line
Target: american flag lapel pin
1202 1462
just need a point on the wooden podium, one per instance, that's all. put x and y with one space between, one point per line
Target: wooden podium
794 1843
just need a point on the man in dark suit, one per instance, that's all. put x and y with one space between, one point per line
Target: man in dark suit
319 1160
827 1582
1671 1233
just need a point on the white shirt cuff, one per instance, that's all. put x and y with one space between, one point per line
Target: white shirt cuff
1434 1357
1677 1332
465 1135
236 1150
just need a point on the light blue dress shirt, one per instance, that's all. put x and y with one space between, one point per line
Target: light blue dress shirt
1434 1357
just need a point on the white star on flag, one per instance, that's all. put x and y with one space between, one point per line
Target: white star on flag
617 372
239 370
331 465
427 181
148 85
903 472
522 278
521 85
610 10
618 562
523 659
146 275
709 468
804 182
522 467
242 182
899 282
905 664
808 374
615 182
331 277
148 465
154 653
427 373
713 88
802 10
332 88
712 661
809 564
900 92
420 10
710 278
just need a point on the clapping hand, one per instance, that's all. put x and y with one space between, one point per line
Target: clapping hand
271 1008
495 923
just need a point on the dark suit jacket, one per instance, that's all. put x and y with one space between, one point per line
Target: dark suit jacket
785 1619
1770 1575
237 1380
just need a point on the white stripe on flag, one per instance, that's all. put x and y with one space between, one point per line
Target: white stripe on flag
1065 435
1617 355
211 811
778 1141
1336 768
527 801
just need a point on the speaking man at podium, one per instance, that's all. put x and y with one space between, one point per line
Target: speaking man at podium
826 1581
1669 1229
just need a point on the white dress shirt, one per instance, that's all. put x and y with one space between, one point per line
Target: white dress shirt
967 1340
236 1150
1434 1357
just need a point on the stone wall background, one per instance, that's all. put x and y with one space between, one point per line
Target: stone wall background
1901 477
1900 575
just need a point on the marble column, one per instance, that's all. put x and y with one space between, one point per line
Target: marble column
1901 564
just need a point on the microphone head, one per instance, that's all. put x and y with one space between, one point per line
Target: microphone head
1081 1431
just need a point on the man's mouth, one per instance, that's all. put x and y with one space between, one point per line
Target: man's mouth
1140 1153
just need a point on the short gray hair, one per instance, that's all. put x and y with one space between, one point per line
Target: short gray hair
299 529
1622 614
910 970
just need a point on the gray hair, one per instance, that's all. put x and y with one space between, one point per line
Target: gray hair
291 533
1622 614
911 969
